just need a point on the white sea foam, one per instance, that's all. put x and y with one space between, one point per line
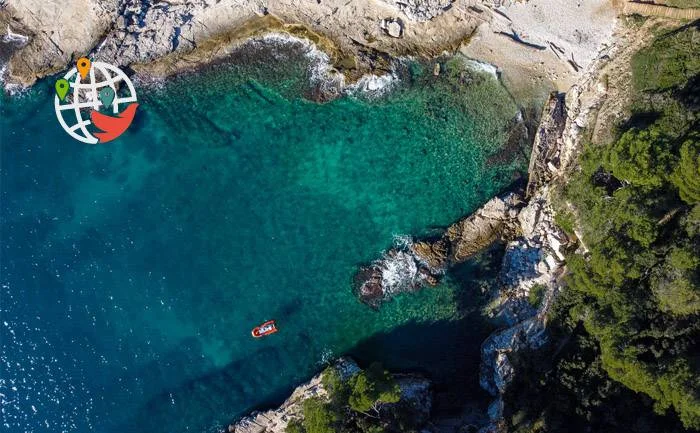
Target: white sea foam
323 75
399 272
373 85
12 89
482 67
403 241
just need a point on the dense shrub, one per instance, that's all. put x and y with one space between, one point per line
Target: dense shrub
353 405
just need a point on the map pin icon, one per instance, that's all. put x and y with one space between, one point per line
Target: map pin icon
83 65
106 96
62 87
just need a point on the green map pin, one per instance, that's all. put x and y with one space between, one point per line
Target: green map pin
106 96
62 88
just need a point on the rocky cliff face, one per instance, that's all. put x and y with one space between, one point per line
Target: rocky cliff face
536 259
533 260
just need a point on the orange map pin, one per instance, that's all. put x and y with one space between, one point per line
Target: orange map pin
83 65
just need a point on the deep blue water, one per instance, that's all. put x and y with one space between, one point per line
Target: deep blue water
132 272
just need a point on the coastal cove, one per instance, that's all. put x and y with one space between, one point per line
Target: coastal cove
132 272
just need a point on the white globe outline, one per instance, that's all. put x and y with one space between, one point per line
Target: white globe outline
116 76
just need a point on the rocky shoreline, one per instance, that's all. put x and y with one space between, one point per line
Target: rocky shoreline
534 260
357 44
155 39
415 391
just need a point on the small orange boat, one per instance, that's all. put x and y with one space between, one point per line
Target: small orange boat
265 329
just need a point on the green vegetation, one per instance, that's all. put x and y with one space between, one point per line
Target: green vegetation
683 3
319 416
534 297
354 405
372 387
565 220
668 63
628 325
686 177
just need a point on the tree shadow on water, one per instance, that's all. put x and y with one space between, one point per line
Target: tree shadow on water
447 352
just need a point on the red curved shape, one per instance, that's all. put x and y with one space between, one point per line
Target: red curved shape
113 127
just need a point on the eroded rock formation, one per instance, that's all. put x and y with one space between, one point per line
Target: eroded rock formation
409 265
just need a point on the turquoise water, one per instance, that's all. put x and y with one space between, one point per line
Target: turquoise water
132 272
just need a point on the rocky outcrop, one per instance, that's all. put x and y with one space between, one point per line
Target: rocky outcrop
393 27
496 219
545 159
276 420
532 261
184 33
56 35
422 10
411 265
416 397
536 259
158 38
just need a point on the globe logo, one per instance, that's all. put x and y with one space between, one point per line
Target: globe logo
95 102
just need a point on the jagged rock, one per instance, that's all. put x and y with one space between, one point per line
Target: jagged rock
546 148
412 265
422 10
529 260
393 27
474 233
434 254
496 372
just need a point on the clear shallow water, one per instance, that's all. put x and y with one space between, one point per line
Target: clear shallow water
132 272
